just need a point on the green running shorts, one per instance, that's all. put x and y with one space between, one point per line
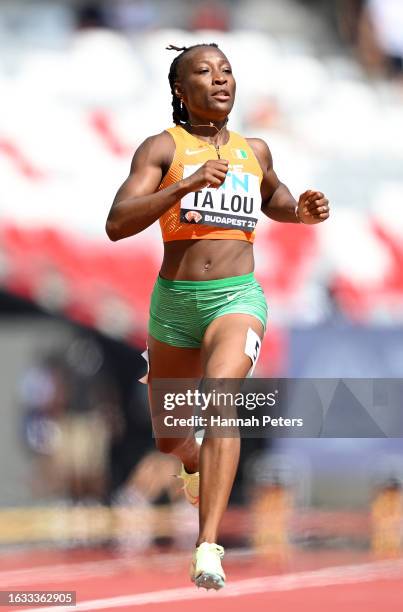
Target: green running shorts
181 311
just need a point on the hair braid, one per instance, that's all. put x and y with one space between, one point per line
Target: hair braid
180 113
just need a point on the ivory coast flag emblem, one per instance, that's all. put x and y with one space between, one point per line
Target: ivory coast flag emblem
239 153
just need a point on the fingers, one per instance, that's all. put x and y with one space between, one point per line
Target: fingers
215 183
313 197
310 196
210 174
221 164
304 196
216 172
218 168
216 179
315 206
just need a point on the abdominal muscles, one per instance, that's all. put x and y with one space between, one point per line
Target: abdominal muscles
206 259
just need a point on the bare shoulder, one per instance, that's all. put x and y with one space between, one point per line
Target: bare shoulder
163 139
156 150
262 152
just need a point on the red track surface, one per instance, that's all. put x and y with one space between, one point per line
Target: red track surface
310 583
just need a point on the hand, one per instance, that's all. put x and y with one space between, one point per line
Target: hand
211 174
313 207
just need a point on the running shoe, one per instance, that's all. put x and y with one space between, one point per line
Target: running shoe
205 569
191 483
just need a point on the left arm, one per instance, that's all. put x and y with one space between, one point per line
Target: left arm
277 202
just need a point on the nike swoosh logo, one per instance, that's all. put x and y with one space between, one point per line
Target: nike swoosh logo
195 151
232 296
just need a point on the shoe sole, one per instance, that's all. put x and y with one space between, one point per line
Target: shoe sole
209 581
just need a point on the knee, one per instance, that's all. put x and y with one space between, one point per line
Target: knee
221 384
219 370
216 369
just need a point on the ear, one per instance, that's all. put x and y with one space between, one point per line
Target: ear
178 91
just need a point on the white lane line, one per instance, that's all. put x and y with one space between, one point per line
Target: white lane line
349 574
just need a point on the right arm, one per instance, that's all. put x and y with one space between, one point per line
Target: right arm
138 204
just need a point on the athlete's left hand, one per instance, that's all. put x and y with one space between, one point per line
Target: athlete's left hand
313 207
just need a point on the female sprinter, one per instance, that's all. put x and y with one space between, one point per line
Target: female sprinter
208 314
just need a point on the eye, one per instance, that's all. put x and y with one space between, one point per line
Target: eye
228 70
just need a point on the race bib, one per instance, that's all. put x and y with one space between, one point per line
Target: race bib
236 204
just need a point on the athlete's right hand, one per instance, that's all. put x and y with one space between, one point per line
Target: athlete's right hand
210 174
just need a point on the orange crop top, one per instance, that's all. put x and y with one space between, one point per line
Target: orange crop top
229 212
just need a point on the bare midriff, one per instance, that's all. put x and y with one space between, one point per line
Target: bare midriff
199 260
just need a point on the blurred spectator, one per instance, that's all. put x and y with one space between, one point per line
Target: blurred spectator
387 515
132 15
80 459
91 15
71 420
264 113
211 15
42 392
348 19
380 37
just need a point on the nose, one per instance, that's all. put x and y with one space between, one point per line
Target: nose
219 78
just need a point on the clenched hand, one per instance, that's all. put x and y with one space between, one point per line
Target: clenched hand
313 207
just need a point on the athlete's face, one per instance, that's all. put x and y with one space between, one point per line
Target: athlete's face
206 84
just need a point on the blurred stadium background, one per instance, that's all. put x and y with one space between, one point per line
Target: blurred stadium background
81 85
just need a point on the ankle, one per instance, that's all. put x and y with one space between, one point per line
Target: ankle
190 458
210 539
191 468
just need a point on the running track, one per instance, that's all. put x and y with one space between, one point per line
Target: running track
315 583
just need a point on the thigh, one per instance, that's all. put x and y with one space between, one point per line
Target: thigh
224 346
166 361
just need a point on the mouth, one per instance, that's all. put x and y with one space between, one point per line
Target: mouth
222 95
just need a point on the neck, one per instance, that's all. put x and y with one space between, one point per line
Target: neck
212 131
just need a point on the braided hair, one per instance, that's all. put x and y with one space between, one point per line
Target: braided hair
180 113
